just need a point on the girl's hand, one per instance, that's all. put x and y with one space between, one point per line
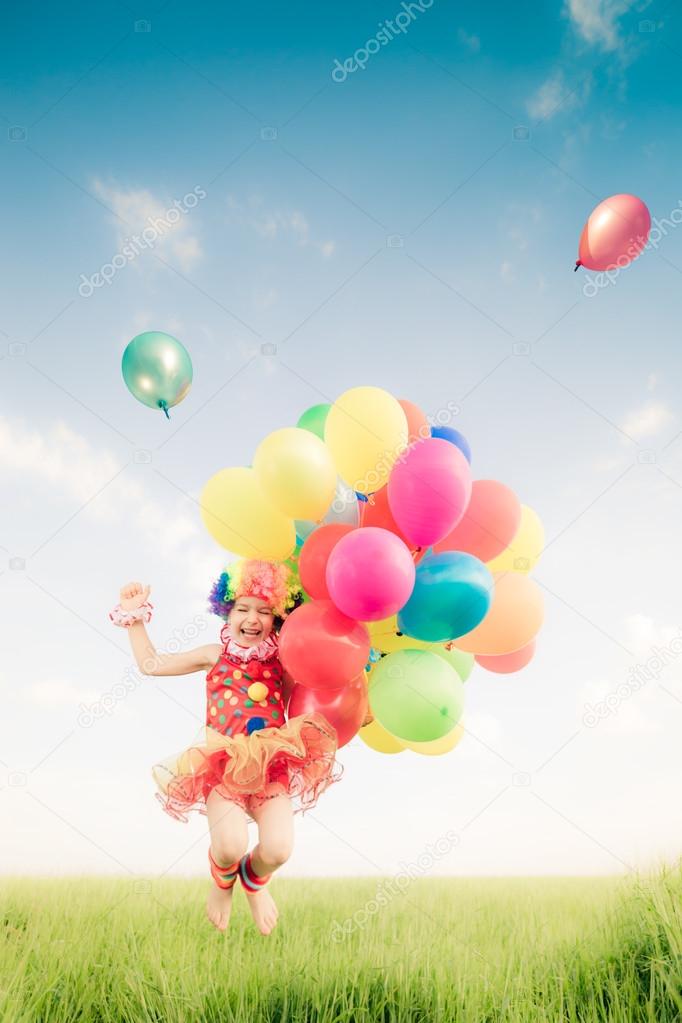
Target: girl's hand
133 595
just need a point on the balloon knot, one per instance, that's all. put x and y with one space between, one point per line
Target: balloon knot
577 264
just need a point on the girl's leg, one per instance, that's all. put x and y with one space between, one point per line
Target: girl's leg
229 839
274 818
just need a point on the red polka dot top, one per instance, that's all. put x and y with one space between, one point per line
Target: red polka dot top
244 687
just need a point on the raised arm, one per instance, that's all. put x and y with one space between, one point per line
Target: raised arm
154 662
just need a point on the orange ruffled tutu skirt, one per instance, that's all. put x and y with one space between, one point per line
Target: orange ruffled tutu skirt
297 760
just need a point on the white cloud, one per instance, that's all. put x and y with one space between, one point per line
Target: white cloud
597 21
472 42
139 209
649 419
57 693
290 225
75 468
556 96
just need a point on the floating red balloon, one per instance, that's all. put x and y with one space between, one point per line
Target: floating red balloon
489 524
321 647
344 708
615 233
312 561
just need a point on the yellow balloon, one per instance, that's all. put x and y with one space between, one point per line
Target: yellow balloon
297 472
438 746
240 516
366 429
383 636
377 738
523 552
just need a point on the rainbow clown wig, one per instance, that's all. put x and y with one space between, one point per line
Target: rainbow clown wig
250 577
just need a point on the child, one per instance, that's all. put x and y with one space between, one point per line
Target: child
247 762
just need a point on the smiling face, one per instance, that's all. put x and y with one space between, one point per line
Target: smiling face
250 620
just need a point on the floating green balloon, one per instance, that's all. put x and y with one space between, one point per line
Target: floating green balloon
157 370
314 418
415 695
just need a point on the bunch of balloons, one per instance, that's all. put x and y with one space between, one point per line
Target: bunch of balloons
412 571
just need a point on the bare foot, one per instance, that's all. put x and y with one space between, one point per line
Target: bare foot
263 909
219 906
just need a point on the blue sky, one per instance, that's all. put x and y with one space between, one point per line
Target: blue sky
414 227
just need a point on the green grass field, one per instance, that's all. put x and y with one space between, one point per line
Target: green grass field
480 950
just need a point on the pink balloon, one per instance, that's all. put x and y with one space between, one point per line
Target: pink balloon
370 574
615 233
429 489
345 708
504 664
490 522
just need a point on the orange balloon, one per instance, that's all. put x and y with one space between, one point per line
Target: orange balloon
513 619
417 424
504 664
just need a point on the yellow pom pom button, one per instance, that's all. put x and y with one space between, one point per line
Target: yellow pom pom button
257 691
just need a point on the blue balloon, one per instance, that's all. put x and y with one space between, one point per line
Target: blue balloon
455 437
452 594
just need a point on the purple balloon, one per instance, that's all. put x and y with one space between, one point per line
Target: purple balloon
370 574
429 489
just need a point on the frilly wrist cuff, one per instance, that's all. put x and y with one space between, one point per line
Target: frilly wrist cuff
125 618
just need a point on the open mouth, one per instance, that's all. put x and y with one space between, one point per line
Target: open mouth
251 632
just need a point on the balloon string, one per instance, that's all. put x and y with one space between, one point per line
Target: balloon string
163 405
415 552
577 264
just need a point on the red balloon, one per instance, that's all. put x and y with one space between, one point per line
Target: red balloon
504 664
379 514
321 647
312 562
417 424
344 708
489 524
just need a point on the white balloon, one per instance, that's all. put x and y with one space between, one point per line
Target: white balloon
344 509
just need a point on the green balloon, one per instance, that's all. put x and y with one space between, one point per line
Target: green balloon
462 662
416 695
157 369
313 419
